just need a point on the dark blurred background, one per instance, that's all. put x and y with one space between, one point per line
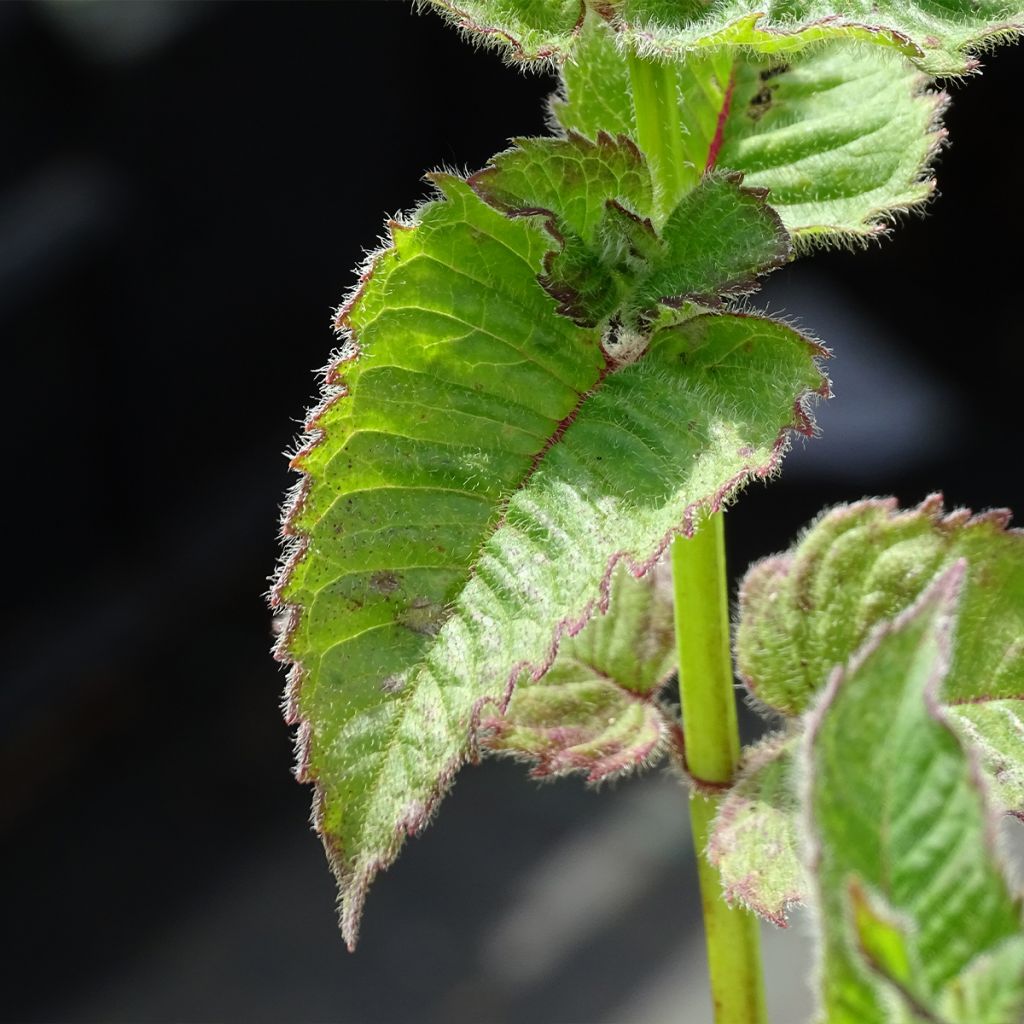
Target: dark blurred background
184 191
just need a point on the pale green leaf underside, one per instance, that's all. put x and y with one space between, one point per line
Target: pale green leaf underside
472 487
841 137
906 817
754 838
995 729
596 709
938 36
803 612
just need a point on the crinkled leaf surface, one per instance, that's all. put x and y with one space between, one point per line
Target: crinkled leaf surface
754 838
906 819
596 710
595 198
803 612
477 469
842 137
938 37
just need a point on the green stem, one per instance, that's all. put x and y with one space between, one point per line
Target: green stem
712 753
702 616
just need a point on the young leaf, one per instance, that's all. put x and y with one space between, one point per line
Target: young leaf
596 710
753 840
939 38
595 199
906 818
841 137
470 482
805 611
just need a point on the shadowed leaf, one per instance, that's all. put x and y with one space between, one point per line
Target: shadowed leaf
596 710
754 837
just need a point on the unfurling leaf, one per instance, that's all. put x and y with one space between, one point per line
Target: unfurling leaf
478 467
841 137
597 709
939 38
595 199
905 819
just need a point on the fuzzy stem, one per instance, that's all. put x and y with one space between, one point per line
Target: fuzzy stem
712 753
702 616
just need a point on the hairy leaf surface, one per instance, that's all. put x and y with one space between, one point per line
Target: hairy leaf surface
596 200
805 611
995 729
474 474
841 137
906 818
938 37
754 837
596 710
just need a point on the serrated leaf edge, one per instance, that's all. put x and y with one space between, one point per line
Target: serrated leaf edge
353 886
931 507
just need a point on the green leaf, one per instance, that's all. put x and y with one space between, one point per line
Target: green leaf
803 612
887 948
841 137
905 816
939 38
595 200
476 470
995 729
754 839
990 990
596 710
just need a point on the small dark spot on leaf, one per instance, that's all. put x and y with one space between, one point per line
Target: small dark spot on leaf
384 582
760 104
393 684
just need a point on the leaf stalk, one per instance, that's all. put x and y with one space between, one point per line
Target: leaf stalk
712 754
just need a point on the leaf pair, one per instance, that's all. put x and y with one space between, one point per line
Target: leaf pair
806 611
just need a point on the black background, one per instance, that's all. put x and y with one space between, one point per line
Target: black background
179 212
